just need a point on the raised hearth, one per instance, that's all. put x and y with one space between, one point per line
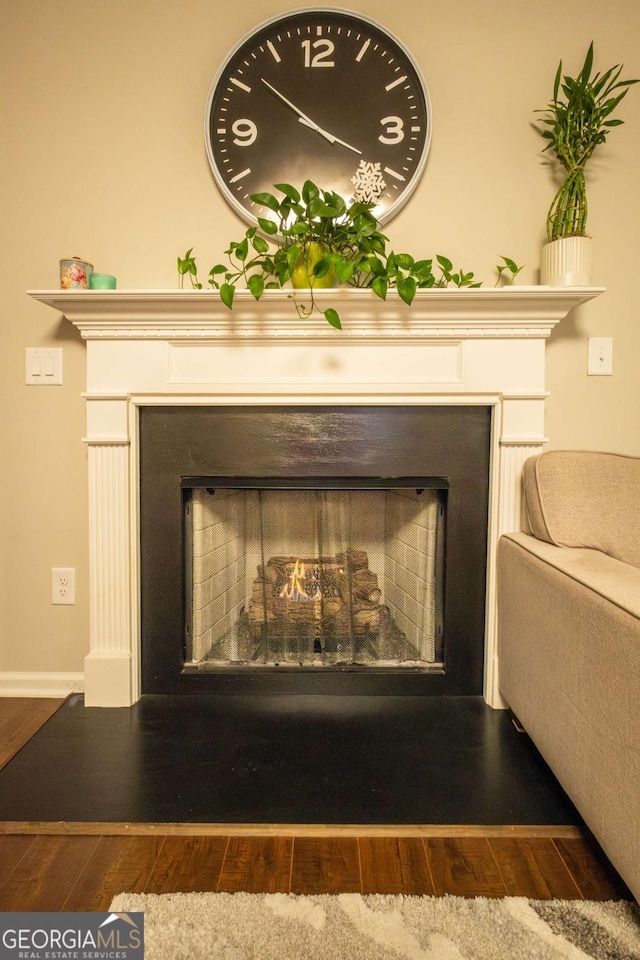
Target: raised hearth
476 348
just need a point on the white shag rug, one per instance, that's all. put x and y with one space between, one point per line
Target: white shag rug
245 926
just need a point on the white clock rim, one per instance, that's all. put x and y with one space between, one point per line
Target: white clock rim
398 204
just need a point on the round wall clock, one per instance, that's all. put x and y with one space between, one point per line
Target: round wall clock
325 95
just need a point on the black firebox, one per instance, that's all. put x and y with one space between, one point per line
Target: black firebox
316 549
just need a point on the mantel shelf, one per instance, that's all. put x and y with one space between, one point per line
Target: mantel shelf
200 314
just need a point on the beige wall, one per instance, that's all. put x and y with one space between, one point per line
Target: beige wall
103 157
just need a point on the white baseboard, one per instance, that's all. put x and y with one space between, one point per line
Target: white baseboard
32 684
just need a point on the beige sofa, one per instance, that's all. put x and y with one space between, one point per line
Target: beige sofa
569 637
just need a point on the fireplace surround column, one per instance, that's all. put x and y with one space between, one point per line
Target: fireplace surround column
510 516
110 677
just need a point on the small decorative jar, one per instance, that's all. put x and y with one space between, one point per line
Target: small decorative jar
74 274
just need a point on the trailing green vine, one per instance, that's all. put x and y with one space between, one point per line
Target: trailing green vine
319 240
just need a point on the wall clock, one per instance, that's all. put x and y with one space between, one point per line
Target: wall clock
320 94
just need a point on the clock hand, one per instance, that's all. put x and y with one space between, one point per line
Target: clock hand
329 136
307 121
295 109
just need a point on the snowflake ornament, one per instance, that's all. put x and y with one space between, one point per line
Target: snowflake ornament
368 182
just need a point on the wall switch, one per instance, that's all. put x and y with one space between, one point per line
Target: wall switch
63 585
600 363
43 366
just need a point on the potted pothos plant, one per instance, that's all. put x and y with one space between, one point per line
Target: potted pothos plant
577 119
314 239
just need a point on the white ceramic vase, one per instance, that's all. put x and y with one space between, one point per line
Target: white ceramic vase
566 262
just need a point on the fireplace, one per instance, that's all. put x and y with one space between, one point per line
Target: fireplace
156 352
321 573
314 549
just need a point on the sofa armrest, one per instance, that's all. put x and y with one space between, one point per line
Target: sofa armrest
615 582
585 499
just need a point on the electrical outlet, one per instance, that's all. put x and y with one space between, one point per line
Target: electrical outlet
63 585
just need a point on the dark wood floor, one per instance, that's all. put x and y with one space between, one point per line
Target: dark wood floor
285 759
81 867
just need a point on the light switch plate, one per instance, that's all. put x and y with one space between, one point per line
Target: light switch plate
43 366
600 362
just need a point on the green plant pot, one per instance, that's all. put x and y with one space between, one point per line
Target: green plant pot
303 277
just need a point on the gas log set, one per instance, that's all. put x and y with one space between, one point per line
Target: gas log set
302 608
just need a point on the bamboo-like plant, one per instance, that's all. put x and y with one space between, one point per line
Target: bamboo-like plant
575 123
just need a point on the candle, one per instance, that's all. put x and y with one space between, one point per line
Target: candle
101 281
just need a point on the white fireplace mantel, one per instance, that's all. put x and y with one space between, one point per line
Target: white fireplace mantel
483 346
200 314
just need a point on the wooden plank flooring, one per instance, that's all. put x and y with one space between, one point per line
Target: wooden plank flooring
20 719
84 873
60 867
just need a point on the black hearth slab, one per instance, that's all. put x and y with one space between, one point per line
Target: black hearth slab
283 759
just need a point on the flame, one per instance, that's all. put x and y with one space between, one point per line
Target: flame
294 588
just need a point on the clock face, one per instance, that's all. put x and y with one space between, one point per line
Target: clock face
322 95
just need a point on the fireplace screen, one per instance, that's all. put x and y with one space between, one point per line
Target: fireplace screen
314 577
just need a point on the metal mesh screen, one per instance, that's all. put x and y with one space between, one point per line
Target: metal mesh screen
314 577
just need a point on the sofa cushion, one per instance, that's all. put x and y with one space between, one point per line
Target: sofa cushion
586 499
